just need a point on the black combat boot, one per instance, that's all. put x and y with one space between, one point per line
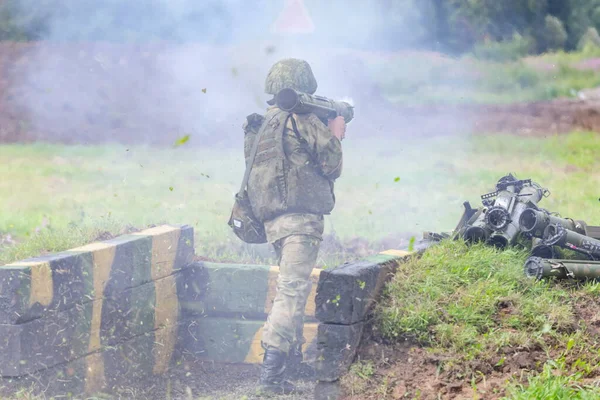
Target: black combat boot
271 374
296 367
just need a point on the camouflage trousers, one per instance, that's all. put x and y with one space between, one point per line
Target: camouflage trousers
285 324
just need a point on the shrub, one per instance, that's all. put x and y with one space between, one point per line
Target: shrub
554 35
511 50
590 38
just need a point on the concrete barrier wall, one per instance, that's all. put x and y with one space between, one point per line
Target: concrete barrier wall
114 312
229 304
97 310
345 296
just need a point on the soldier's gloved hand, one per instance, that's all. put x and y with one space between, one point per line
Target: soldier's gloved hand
337 126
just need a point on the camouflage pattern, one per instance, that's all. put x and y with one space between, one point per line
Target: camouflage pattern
290 73
307 168
294 170
325 149
537 267
297 256
328 158
295 224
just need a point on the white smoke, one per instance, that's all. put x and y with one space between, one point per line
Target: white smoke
151 71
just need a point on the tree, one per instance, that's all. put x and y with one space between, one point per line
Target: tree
589 38
582 14
552 36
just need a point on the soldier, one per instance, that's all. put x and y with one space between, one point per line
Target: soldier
291 189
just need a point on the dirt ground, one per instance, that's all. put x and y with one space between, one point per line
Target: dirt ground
407 370
199 381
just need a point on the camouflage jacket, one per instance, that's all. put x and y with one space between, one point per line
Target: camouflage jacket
292 180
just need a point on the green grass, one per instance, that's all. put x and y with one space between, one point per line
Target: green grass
56 197
474 306
429 78
450 299
555 382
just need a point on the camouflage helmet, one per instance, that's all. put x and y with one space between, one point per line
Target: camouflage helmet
290 73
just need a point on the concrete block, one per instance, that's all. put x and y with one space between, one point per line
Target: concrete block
61 336
231 340
346 294
111 368
336 349
31 287
246 291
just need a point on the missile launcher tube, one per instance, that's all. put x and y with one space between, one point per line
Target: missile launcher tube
539 268
535 222
557 235
528 196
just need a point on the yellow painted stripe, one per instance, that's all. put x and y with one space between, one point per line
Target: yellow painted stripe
397 253
103 256
157 231
310 303
166 307
91 247
256 352
310 335
23 264
42 287
309 311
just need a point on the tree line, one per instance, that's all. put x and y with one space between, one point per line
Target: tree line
451 26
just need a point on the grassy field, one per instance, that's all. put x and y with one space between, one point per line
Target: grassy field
471 308
55 197
475 309
434 78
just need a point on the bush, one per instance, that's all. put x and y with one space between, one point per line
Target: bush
582 14
510 50
590 38
554 35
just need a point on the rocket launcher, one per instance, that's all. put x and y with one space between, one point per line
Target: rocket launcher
303 103
539 268
558 235
535 222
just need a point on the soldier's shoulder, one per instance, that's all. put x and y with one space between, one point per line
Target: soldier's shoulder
253 122
310 119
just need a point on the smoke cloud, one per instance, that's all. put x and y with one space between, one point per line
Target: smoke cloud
151 71
148 71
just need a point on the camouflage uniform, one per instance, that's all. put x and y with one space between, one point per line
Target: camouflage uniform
290 189
297 236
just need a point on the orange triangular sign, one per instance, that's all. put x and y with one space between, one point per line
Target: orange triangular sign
294 18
